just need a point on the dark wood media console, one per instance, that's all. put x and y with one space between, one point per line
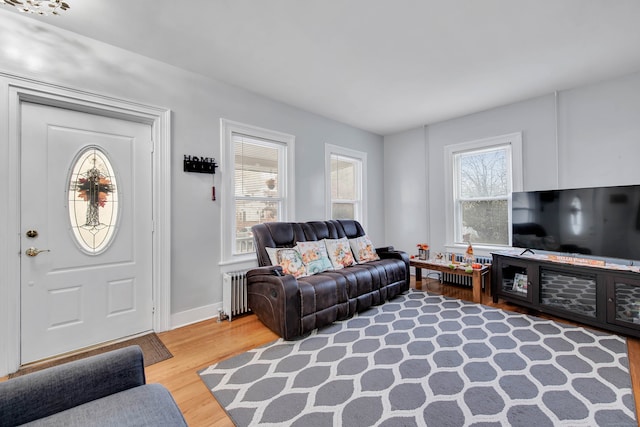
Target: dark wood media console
606 297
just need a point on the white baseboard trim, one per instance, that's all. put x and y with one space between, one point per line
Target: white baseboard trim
195 315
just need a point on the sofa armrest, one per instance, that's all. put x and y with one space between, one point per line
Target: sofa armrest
43 393
388 252
275 298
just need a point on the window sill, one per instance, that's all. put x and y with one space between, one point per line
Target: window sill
239 262
483 250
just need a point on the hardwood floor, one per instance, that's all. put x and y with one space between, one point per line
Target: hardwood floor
197 346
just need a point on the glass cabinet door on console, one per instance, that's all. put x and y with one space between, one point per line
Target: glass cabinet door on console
606 297
623 301
514 279
575 293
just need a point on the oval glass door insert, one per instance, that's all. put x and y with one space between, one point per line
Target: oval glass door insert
93 200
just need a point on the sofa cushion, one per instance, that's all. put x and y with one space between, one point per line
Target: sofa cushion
319 230
351 228
322 291
339 252
363 249
147 405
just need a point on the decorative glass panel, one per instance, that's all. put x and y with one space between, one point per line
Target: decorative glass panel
570 292
627 302
93 200
515 280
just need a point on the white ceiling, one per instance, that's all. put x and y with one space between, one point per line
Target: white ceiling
380 65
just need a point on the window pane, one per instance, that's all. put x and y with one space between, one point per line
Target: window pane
485 222
483 173
343 178
343 211
248 214
256 168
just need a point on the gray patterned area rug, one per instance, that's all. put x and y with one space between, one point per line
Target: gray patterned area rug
426 360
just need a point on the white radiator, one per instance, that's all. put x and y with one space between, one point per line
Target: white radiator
455 279
484 259
463 280
234 295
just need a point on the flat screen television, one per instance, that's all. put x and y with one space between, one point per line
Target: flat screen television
602 221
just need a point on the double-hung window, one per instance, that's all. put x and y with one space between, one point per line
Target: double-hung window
345 169
258 183
480 178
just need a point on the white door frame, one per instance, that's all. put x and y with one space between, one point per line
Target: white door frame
17 89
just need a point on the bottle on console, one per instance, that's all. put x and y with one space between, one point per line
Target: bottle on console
469 258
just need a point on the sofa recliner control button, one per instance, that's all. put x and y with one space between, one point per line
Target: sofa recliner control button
274 294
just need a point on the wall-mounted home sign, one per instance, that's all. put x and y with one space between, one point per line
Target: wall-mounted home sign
200 164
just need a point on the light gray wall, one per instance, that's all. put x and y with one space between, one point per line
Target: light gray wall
598 143
406 172
600 134
35 50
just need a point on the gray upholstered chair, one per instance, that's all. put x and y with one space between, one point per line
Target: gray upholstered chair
104 390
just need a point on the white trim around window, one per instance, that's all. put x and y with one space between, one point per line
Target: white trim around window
514 140
228 129
361 180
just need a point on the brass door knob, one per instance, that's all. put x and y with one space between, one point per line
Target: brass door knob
34 251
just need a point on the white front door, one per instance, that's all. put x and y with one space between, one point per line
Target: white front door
86 203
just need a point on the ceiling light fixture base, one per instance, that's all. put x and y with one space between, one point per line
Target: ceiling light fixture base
39 7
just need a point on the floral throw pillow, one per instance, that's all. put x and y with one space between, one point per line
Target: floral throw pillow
363 249
273 255
339 252
289 259
314 256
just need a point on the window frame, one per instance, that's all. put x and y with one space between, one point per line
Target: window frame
514 141
286 175
361 181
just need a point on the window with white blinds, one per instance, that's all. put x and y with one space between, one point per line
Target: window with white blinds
258 193
257 184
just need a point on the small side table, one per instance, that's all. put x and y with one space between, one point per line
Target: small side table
477 275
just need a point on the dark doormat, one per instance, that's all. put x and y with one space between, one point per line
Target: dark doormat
153 350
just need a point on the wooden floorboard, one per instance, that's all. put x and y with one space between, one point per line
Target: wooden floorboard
202 344
196 347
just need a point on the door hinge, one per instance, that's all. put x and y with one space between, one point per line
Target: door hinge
153 146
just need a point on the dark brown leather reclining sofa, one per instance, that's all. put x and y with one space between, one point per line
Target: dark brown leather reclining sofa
292 307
